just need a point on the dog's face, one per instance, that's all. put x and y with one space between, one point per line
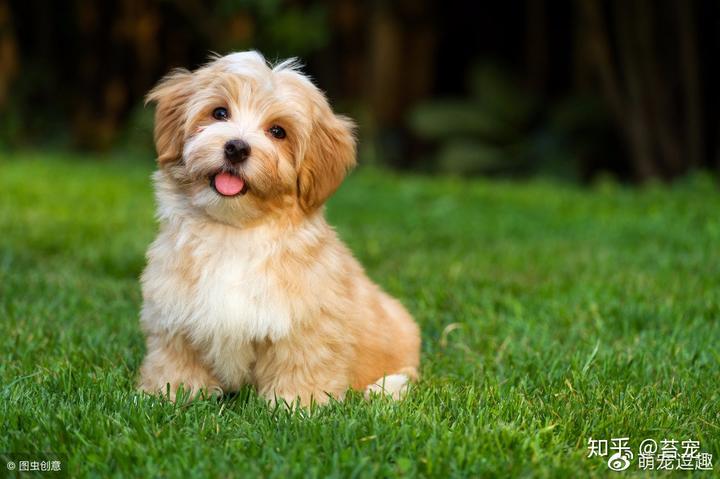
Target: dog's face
240 139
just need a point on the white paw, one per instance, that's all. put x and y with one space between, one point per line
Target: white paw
393 385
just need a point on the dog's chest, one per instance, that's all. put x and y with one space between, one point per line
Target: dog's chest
222 291
239 295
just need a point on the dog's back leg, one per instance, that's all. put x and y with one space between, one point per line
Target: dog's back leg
394 385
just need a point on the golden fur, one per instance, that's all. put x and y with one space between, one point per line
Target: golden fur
257 288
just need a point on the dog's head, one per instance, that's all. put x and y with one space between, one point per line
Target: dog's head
239 139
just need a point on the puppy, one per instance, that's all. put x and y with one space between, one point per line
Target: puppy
246 282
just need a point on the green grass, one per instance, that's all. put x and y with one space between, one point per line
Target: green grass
550 314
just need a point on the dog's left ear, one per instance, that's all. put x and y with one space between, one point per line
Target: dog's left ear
329 155
170 97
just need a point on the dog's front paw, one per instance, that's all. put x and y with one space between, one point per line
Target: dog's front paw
172 369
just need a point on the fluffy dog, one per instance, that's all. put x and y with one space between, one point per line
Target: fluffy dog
246 282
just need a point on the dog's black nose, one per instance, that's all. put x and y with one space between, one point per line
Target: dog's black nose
237 151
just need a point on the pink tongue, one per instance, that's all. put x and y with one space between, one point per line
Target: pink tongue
228 185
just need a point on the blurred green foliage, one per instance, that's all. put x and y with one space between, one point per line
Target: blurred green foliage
501 127
274 27
92 98
568 89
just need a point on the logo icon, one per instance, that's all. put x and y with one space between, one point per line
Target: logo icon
623 455
619 461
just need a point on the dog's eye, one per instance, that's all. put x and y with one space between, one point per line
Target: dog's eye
277 131
220 114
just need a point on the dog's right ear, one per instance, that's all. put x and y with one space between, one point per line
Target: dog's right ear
170 96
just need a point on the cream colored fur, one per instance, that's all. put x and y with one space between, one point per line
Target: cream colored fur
257 288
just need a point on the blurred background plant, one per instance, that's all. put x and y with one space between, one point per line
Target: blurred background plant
524 87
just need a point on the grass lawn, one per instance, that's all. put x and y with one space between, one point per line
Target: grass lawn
550 314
